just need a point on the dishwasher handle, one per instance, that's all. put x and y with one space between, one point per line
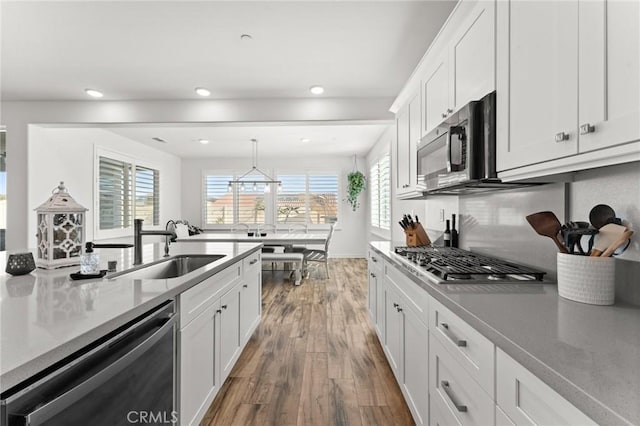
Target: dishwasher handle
45 411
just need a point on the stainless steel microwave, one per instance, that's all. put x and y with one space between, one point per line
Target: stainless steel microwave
460 154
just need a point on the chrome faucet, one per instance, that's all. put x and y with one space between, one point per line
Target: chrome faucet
137 240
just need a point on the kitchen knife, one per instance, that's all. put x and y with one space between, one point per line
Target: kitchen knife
402 225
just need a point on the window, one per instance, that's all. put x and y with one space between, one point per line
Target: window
127 191
308 198
380 187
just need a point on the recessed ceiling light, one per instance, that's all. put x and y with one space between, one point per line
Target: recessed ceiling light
93 93
305 140
202 91
316 90
203 141
246 37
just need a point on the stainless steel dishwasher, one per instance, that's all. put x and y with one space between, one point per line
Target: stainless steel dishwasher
127 377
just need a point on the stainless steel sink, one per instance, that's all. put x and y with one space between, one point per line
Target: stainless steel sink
173 267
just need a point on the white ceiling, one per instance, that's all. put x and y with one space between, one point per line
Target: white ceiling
273 141
152 50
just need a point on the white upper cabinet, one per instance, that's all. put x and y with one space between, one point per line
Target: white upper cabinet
542 89
408 135
609 73
460 66
435 93
567 84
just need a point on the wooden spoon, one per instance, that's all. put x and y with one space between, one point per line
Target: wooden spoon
620 241
547 225
608 235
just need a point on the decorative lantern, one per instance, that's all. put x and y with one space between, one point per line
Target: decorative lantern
61 229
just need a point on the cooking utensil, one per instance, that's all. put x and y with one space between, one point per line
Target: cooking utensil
618 243
609 234
547 224
600 215
572 233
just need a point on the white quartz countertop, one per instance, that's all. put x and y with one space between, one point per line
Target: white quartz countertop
45 316
588 354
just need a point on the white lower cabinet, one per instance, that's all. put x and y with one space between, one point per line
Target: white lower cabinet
375 293
451 374
526 400
452 387
407 347
199 371
250 296
214 323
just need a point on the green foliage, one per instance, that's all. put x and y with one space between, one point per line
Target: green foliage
357 184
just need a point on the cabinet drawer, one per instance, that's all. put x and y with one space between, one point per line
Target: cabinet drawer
417 298
195 300
251 263
473 351
453 386
529 401
440 413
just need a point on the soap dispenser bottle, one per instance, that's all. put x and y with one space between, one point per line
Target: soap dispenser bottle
89 261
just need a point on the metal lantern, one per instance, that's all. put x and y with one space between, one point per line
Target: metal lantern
61 230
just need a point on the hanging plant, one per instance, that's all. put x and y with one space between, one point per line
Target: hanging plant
357 184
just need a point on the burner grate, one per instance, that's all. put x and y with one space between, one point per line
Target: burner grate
446 261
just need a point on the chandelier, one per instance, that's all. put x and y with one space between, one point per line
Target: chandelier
254 176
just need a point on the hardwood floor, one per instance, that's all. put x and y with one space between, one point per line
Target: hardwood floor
314 360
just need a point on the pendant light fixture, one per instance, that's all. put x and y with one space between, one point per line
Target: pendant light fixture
254 176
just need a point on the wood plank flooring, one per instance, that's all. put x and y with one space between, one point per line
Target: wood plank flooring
314 360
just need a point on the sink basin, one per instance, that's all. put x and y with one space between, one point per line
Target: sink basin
173 267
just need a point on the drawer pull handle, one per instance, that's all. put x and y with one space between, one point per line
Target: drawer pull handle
562 136
399 309
219 311
253 262
447 390
587 128
395 305
373 275
245 286
224 306
445 330
374 259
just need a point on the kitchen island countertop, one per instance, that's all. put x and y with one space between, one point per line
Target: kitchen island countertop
588 354
45 316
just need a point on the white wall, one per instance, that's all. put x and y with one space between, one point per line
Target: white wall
67 154
349 239
17 116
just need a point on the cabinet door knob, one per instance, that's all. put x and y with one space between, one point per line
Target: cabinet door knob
224 306
449 110
219 311
253 261
374 259
562 136
373 275
399 309
587 128
245 286
395 305
444 115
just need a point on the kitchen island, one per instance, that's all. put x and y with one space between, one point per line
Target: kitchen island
45 316
587 354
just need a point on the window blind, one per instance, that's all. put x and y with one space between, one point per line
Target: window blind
147 195
218 200
251 203
323 198
291 205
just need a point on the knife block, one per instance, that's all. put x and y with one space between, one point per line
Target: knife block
417 236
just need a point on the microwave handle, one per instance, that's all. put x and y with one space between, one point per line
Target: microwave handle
449 150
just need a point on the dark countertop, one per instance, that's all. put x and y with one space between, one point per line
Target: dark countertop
45 316
588 354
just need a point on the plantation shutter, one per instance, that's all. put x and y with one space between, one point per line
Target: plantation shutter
115 190
385 191
147 195
251 203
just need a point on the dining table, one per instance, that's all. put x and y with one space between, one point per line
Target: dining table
271 238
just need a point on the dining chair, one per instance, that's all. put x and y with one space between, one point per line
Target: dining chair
319 255
239 227
297 228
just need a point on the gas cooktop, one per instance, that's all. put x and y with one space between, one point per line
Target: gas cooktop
450 264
